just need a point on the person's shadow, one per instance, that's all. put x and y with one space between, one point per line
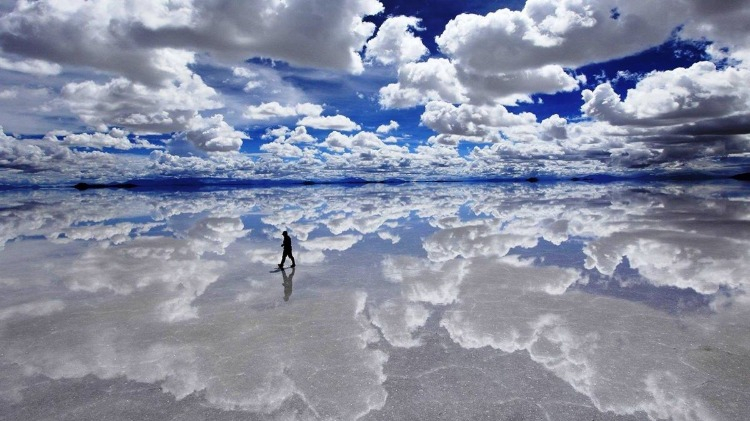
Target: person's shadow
288 283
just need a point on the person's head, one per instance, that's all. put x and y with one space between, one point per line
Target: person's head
284 234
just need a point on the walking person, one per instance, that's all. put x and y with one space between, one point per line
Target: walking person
287 244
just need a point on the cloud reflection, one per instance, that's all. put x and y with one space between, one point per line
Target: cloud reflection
173 289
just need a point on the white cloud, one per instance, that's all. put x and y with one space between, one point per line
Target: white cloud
47 161
506 56
255 79
511 88
110 36
677 115
115 138
243 72
418 83
337 141
87 34
395 43
213 134
274 110
284 144
185 160
441 79
480 122
336 122
282 149
679 96
34 67
724 24
147 47
361 140
141 108
387 128
283 134
546 32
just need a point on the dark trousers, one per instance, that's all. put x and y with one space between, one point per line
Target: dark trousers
287 253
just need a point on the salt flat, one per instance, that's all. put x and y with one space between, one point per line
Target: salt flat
560 301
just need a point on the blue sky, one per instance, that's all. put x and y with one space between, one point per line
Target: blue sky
299 89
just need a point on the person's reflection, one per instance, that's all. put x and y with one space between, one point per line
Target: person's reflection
287 283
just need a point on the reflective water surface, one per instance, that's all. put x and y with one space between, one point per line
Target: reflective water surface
564 301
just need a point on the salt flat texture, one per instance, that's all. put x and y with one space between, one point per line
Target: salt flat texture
564 301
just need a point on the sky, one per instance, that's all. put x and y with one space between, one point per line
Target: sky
111 90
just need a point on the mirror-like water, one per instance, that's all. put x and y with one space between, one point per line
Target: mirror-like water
429 301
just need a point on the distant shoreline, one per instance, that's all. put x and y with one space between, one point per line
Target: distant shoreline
208 183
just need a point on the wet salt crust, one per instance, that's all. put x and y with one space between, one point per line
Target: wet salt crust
564 301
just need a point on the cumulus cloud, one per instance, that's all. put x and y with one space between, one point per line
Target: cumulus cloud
282 149
148 50
89 34
284 134
469 121
183 159
137 69
362 140
48 161
677 115
387 128
336 122
213 134
506 56
30 155
442 80
285 141
141 108
123 40
679 96
547 32
418 83
723 23
274 110
249 31
514 87
395 42
115 138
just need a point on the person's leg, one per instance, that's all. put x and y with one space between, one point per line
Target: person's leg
283 259
292 259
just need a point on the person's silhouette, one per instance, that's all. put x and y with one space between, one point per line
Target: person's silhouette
287 245
288 283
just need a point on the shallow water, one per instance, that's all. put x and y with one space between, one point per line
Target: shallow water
563 301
